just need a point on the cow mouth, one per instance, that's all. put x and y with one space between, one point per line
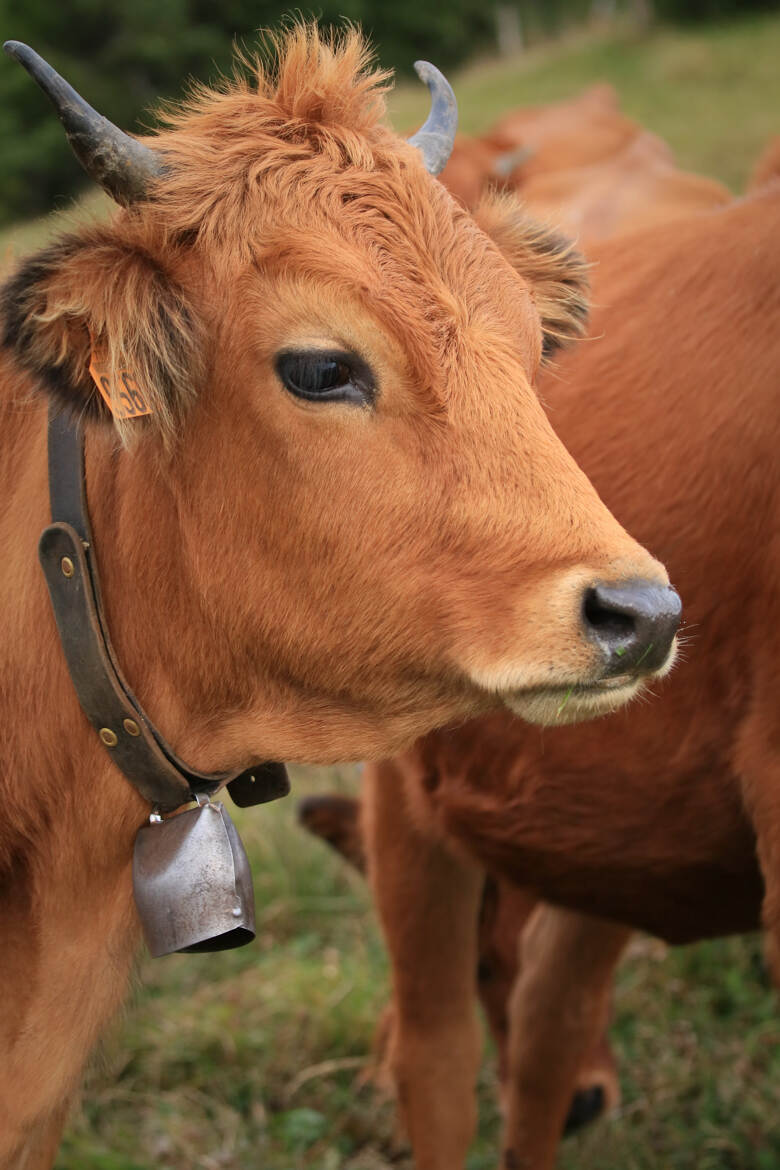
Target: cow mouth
558 705
611 684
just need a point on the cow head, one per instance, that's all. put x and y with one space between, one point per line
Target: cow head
346 518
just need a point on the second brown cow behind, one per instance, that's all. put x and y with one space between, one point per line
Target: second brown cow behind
539 140
583 166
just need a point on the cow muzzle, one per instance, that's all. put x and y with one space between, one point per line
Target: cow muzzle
627 628
192 882
633 623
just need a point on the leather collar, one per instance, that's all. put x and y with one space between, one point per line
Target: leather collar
66 553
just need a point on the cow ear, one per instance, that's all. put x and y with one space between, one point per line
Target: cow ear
556 272
92 294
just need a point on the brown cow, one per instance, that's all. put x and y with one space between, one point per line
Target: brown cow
630 179
635 188
665 818
345 521
552 136
470 169
474 167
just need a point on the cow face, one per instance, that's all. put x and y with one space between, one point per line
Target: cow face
346 518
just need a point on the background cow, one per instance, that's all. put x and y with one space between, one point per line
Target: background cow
584 167
638 186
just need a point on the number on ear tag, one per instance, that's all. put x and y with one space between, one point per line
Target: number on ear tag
124 398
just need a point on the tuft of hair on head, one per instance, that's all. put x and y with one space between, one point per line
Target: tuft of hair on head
301 77
551 264
326 77
310 98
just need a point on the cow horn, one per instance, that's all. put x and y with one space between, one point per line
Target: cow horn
504 164
122 166
435 139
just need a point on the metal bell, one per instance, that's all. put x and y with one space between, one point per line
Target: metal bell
192 882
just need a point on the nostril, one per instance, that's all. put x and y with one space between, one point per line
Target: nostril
612 623
633 622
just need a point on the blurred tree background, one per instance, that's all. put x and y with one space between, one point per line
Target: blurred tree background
124 56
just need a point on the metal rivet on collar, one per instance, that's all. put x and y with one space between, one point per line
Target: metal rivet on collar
66 564
108 737
131 727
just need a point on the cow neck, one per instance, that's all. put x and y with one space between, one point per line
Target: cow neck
66 553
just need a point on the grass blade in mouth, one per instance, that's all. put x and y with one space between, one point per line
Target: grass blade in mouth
564 701
644 654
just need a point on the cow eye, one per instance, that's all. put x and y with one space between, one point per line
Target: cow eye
325 376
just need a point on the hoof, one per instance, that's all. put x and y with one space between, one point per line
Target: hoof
586 1106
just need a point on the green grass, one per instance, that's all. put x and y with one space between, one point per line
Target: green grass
252 1058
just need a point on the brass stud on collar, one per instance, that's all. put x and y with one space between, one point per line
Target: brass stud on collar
66 564
108 737
131 727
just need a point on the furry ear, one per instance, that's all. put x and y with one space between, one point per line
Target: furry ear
556 272
95 288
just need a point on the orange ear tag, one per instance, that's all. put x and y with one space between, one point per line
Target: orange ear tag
125 399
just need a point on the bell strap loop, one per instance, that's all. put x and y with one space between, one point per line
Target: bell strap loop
131 739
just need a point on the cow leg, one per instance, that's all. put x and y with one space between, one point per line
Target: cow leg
559 1010
58 997
39 1150
768 845
757 759
428 903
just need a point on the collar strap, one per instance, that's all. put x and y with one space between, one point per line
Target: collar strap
66 553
